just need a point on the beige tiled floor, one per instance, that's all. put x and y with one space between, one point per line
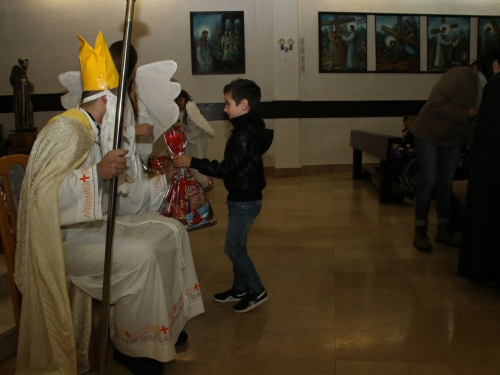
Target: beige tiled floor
348 294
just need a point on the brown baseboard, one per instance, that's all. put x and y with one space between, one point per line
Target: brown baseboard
342 168
313 169
287 172
307 169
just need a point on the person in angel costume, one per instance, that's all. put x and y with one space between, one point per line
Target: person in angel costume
61 243
196 128
143 128
149 109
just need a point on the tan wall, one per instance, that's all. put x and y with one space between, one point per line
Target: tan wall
45 32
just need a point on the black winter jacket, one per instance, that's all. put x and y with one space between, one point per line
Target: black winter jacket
242 169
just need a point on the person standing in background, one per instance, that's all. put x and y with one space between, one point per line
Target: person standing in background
479 253
195 128
439 129
139 127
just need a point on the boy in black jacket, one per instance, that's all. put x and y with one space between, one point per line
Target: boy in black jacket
242 171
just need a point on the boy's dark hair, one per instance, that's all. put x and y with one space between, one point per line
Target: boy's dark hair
244 89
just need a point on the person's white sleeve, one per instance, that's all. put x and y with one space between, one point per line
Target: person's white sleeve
144 196
80 197
198 119
144 143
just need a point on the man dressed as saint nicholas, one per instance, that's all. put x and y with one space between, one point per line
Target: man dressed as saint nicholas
61 243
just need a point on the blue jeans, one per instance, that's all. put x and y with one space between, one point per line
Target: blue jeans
437 167
241 218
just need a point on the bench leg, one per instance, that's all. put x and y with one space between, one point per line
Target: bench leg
357 166
385 181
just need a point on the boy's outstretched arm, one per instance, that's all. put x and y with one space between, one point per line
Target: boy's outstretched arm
182 161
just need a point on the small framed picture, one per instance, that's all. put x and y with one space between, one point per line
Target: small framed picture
448 42
397 43
218 42
488 34
342 42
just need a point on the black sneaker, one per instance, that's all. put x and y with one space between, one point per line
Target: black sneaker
138 365
250 301
230 295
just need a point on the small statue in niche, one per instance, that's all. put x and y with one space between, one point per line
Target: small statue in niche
23 108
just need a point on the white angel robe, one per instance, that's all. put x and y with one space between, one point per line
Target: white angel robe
140 147
145 143
154 288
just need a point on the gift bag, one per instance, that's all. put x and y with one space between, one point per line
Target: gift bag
185 199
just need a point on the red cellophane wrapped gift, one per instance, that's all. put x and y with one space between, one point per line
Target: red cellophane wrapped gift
160 164
185 199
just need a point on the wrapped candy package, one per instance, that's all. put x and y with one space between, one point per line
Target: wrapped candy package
160 164
185 199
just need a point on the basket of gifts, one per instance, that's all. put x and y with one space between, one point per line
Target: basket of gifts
185 199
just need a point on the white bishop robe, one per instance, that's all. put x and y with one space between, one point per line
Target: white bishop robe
154 287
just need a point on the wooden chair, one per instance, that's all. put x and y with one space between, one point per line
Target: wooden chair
8 227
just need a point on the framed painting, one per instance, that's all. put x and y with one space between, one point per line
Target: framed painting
397 43
488 34
342 42
448 42
217 42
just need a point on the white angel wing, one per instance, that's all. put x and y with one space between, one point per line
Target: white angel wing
73 83
157 93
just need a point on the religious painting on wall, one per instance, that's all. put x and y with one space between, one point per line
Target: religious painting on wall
342 42
448 42
488 34
217 42
397 43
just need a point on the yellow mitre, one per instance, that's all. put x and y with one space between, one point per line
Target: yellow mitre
97 67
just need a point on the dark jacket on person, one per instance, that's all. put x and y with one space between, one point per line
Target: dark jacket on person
479 256
444 119
242 169
488 129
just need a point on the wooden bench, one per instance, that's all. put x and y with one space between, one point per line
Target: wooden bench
378 145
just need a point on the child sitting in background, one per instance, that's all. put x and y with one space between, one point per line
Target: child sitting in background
407 169
408 139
